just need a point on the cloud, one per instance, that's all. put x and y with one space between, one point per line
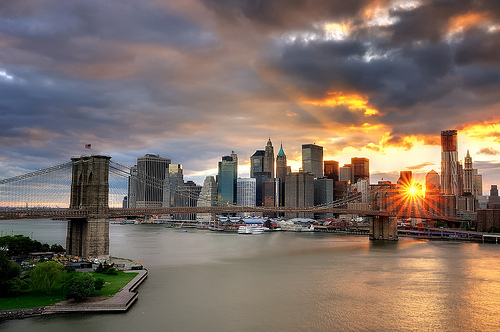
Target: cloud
489 152
419 166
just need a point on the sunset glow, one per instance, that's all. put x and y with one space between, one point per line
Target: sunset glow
351 100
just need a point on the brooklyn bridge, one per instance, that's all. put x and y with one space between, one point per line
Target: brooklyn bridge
94 187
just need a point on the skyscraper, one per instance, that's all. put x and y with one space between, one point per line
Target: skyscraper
174 179
269 158
345 173
257 163
472 181
207 197
132 187
151 170
226 179
312 159
246 191
449 163
360 169
405 179
432 183
331 170
281 171
281 167
299 192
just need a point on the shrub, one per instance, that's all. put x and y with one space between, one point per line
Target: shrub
79 286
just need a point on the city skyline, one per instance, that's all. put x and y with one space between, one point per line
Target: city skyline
192 81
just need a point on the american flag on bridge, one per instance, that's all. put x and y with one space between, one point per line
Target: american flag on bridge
88 146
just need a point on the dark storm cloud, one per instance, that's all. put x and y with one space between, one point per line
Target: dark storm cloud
145 22
410 74
281 14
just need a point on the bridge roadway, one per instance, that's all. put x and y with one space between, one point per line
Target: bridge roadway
136 212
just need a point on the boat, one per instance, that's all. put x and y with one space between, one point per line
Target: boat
251 229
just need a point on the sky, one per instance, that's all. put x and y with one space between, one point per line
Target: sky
193 80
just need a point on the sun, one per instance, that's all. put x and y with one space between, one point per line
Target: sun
412 191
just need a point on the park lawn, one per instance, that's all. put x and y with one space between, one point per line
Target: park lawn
32 299
113 283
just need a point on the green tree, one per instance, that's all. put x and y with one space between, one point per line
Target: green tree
79 286
9 274
45 274
57 248
99 284
20 244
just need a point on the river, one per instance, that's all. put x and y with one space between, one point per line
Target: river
214 281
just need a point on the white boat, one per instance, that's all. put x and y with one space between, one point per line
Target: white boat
251 229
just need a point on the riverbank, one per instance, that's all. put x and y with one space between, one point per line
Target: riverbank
120 302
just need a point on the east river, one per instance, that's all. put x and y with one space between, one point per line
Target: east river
208 281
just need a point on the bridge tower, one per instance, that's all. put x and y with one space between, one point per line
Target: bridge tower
383 228
89 237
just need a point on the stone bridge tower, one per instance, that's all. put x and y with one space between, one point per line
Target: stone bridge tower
89 237
383 228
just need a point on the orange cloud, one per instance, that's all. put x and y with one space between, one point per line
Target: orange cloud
484 130
463 22
352 100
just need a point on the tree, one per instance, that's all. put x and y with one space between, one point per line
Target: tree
57 248
99 284
45 274
79 286
9 273
20 244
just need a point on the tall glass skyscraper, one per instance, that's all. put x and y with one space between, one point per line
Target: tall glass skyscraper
226 180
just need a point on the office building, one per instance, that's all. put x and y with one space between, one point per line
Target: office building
257 163
405 179
271 192
151 171
246 191
226 179
269 158
281 167
281 172
432 183
449 163
494 199
187 195
331 170
207 197
345 174
299 192
312 159
360 169
174 179
132 187
323 195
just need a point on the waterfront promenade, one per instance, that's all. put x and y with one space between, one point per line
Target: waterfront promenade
120 302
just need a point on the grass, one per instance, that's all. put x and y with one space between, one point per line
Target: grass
113 283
